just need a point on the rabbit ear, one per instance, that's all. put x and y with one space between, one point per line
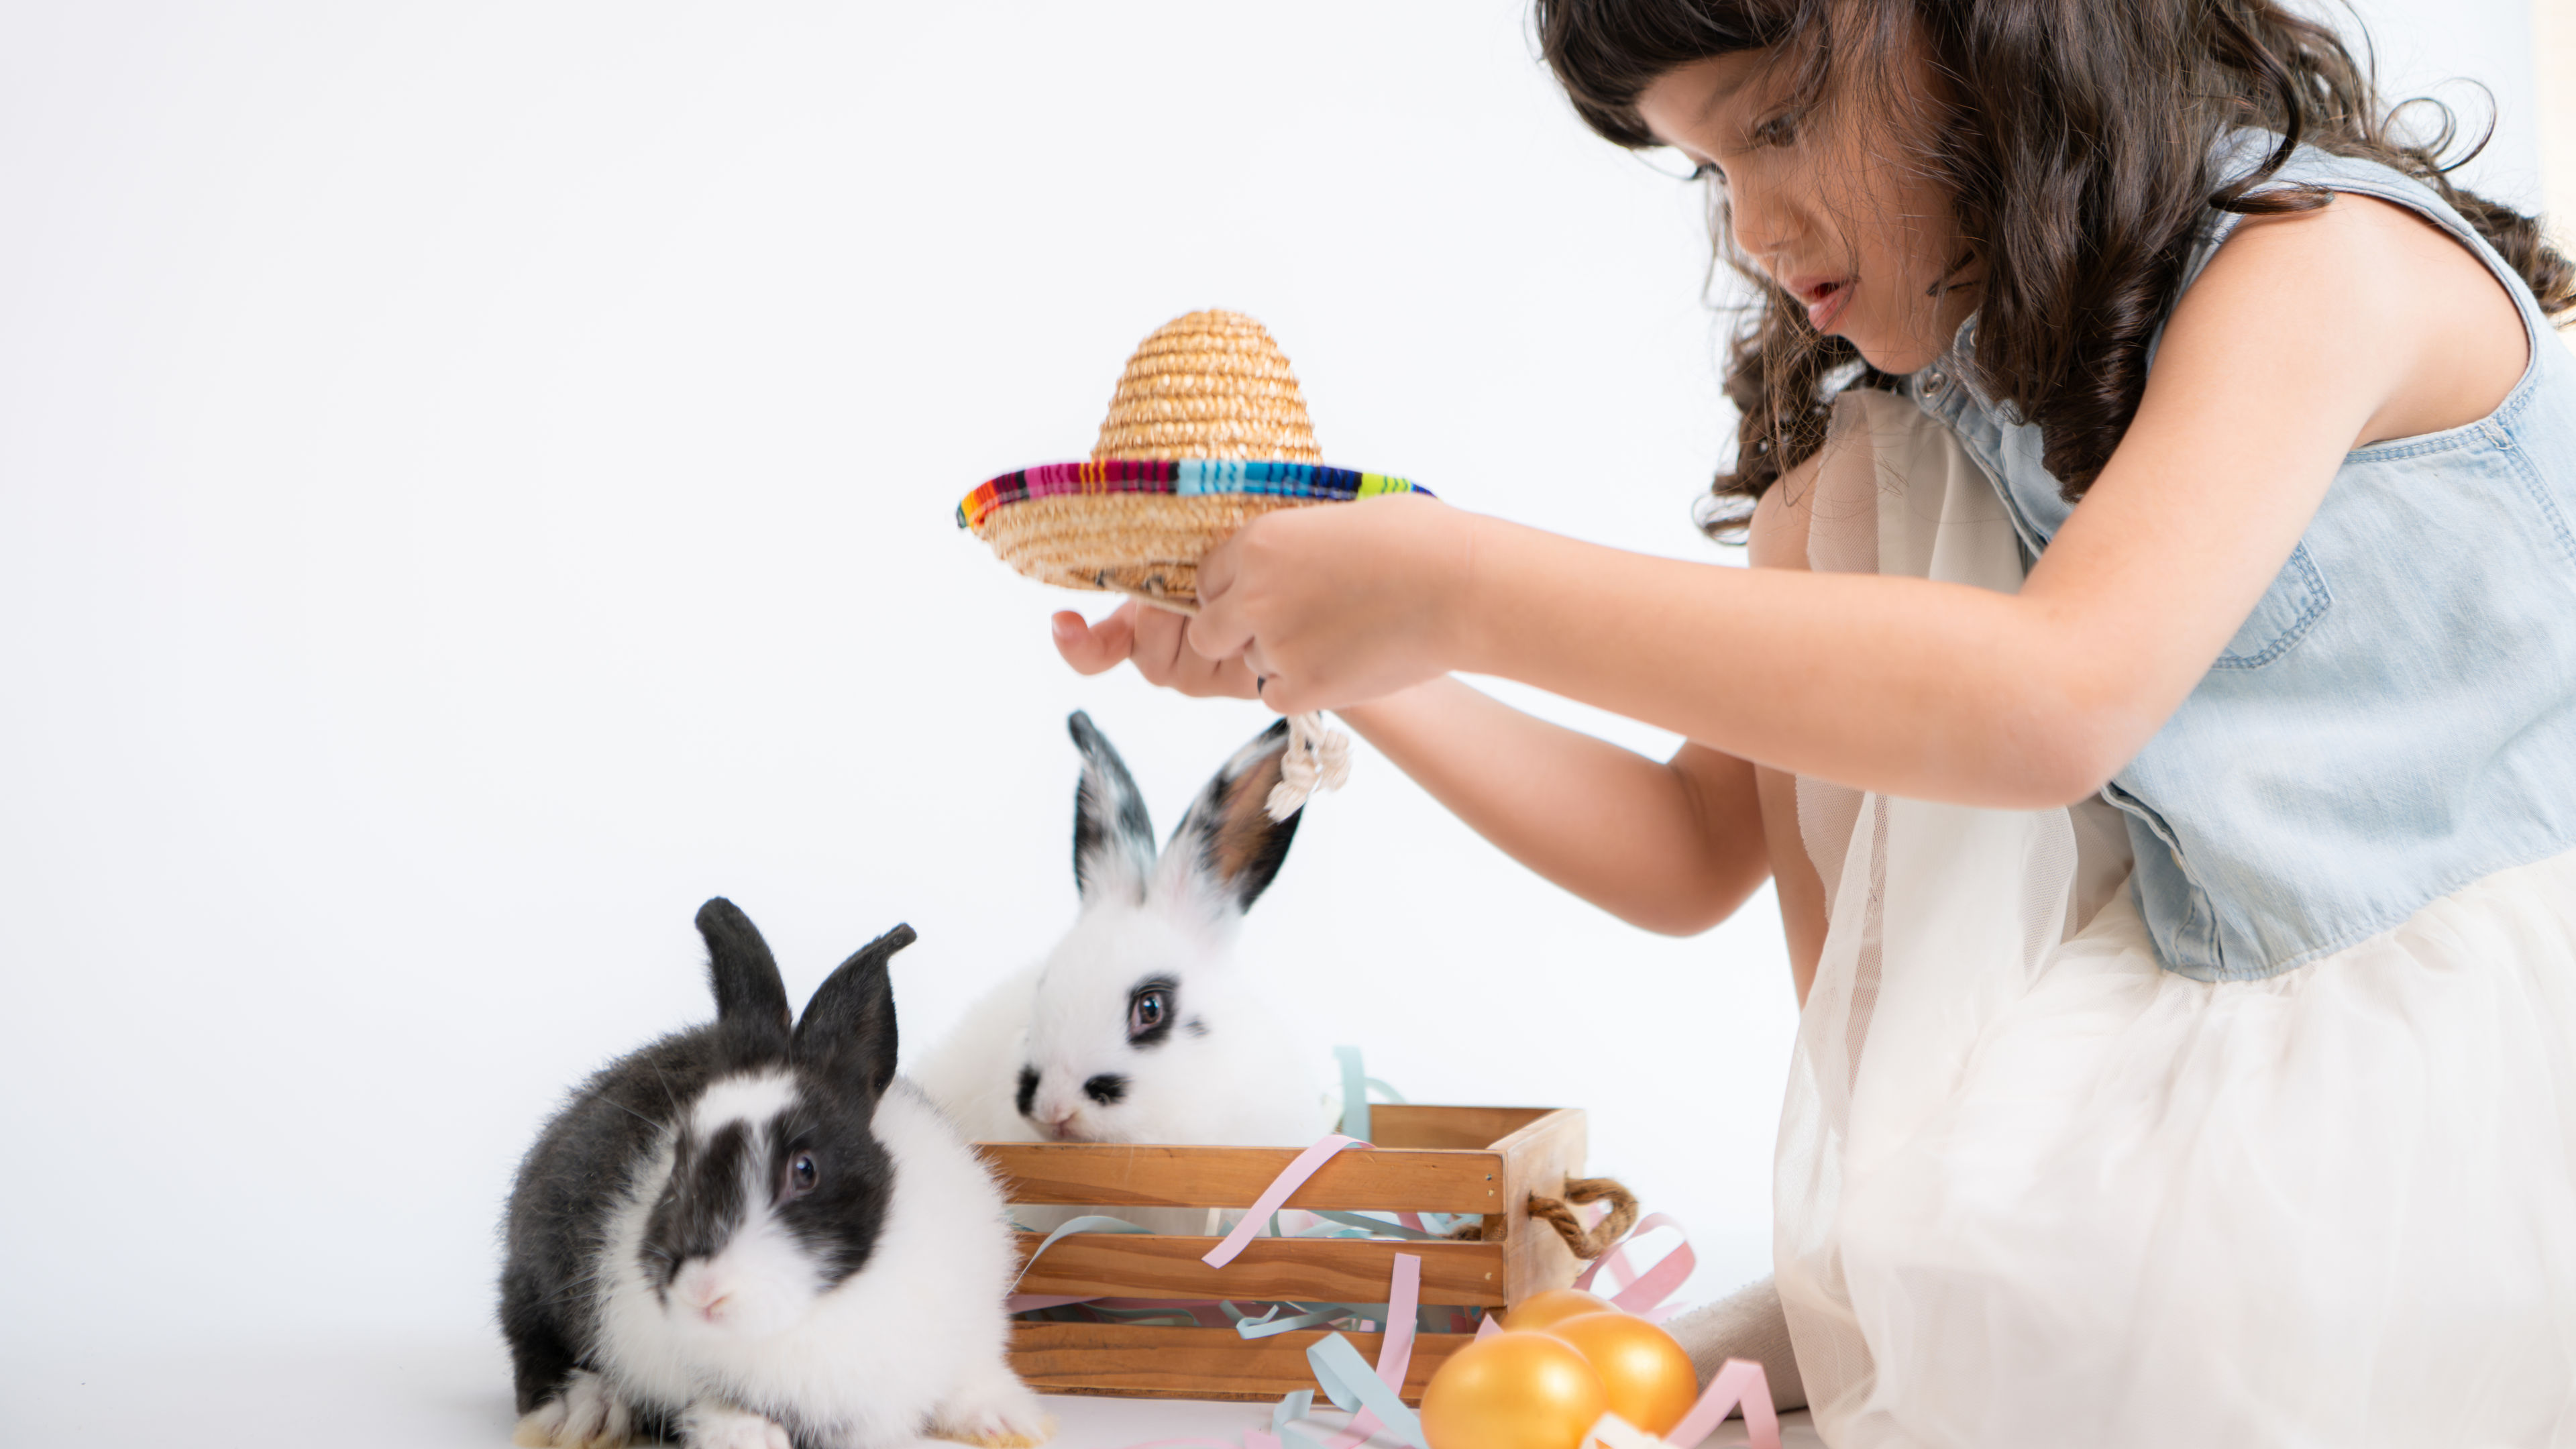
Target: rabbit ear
1228 848
749 996
1113 838
848 1030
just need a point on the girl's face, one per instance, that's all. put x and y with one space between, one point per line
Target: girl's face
1831 211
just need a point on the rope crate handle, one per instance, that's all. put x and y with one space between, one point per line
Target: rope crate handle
1560 1214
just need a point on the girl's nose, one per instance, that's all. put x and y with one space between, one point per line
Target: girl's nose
1764 227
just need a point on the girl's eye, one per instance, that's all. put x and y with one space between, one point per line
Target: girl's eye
1780 130
801 1175
1146 1012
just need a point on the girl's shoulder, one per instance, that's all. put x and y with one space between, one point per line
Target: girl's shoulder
2391 274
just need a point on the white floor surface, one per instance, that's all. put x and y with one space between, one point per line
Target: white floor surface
443 1396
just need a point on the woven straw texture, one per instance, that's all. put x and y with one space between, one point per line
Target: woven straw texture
1129 543
1206 385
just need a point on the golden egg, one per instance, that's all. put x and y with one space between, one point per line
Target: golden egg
1541 1309
1645 1375
1512 1391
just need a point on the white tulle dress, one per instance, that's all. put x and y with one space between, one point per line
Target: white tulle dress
2034 1190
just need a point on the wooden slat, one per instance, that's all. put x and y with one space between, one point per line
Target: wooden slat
1314 1270
1400 1124
1116 1175
1130 1361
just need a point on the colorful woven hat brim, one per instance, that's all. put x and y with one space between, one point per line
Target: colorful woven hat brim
1206 432
1178 477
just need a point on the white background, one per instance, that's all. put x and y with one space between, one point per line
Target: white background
476 480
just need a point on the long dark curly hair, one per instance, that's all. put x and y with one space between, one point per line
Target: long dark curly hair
2076 139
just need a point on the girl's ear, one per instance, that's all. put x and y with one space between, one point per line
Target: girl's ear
751 1002
1113 838
1227 849
848 1033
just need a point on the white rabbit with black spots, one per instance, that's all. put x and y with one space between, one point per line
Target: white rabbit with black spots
753 1235
1141 1026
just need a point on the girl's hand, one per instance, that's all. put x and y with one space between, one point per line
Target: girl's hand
1334 606
1152 638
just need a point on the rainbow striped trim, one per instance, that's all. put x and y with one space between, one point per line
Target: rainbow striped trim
1181 476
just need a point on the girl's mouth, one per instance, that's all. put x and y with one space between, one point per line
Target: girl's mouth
1825 301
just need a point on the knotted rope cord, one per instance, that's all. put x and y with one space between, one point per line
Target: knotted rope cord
1318 758
1560 1214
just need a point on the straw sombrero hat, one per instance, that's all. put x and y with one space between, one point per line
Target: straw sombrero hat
1206 430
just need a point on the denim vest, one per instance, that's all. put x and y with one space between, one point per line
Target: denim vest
2397 717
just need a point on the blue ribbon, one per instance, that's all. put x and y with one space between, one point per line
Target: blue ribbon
1353 1385
1355 1113
1379 1227
1088 1223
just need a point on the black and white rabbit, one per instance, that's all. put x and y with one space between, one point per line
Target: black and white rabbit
1141 1026
752 1235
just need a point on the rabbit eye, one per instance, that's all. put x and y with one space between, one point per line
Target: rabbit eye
801 1175
1152 1007
1146 1012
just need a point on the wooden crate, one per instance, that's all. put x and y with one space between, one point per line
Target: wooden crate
1425 1159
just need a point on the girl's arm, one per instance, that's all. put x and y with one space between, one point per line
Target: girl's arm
1673 847
2307 334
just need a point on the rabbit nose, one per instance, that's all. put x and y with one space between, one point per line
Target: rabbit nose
705 1292
1059 1121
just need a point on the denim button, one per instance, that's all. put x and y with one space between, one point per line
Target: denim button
1934 379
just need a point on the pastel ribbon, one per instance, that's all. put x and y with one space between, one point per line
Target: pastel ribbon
1087 1223
1377 1395
1356 1083
1414 1232
1739 1381
1276 1195
1355 1113
1645 1294
1394 1356
1296 1406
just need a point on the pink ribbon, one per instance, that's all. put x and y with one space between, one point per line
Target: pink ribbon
1395 1350
1739 1382
1645 1294
1278 1192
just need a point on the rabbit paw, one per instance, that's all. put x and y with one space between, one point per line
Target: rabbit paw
721 1426
1001 1415
584 1415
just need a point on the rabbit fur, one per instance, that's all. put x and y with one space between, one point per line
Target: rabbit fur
752 1235
1140 1025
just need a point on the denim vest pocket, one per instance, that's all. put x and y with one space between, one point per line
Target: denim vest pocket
2282 617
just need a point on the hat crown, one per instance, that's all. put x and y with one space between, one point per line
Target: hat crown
1208 385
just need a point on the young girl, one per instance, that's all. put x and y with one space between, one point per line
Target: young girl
2155 472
